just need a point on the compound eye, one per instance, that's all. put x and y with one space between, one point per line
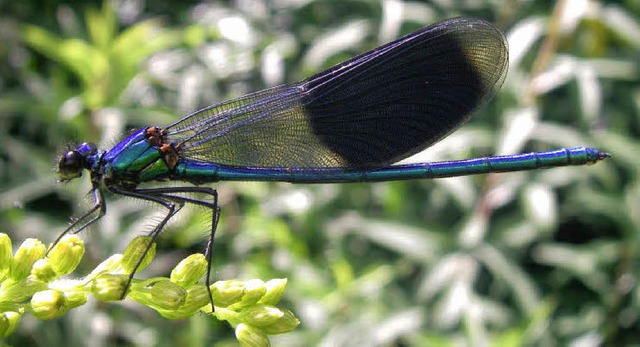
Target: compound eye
70 165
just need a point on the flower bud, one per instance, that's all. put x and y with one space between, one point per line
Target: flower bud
75 299
108 287
260 315
284 324
108 265
43 271
226 293
27 254
250 336
254 290
138 251
4 326
190 270
197 297
48 304
159 294
8 323
20 291
66 254
5 253
275 290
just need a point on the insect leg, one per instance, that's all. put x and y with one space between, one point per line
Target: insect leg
166 197
98 205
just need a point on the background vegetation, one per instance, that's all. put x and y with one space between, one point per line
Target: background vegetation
545 258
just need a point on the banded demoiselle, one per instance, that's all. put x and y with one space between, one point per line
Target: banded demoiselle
350 123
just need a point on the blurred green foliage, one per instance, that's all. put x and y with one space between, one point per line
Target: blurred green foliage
545 258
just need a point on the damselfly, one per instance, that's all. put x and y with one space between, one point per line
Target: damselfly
349 123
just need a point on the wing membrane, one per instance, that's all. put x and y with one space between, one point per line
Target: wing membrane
370 111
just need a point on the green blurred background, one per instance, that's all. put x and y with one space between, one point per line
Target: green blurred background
538 258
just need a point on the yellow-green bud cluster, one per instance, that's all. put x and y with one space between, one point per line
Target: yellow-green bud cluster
27 280
250 308
30 282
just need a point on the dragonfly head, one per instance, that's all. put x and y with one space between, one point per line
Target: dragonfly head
73 162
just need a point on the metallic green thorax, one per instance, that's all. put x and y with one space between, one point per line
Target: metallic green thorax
139 160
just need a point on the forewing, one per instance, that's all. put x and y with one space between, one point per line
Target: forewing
370 111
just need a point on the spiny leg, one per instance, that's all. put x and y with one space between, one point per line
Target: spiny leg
165 196
98 205
215 218
171 205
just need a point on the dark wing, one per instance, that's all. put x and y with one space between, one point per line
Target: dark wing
370 111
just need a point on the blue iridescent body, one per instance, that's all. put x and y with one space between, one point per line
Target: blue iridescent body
350 123
135 160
